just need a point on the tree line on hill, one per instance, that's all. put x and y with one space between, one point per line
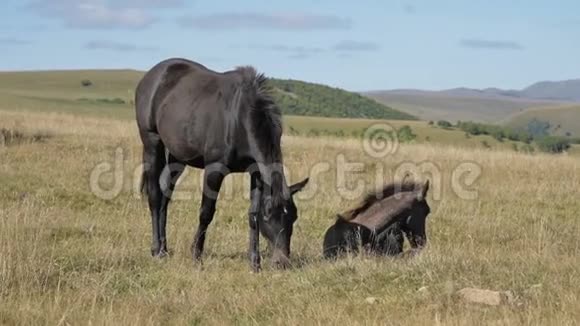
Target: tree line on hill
536 131
302 98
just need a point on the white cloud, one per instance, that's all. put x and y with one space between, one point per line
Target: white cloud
490 44
13 41
350 45
102 14
254 20
117 46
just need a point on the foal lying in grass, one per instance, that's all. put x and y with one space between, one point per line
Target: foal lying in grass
381 221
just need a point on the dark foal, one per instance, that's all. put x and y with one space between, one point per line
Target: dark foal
380 223
223 123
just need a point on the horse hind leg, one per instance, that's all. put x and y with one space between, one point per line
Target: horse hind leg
168 180
154 161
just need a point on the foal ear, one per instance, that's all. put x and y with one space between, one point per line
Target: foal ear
423 193
298 186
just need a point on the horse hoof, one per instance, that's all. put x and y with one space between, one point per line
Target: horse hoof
197 261
159 253
256 268
282 263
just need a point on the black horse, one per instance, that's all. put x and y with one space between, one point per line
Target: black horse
381 221
223 123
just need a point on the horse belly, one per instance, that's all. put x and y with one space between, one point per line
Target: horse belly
175 135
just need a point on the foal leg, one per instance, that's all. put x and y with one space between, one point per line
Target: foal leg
211 186
255 196
154 161
168 180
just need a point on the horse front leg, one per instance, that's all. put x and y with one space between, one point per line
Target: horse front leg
211 187
254 222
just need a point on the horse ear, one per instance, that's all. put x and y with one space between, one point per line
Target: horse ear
298 186
423 193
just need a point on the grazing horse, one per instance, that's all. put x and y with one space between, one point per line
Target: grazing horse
189 115
380 221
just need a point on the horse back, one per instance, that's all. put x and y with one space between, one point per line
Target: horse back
156 84
194 110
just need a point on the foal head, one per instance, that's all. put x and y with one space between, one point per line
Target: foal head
414 224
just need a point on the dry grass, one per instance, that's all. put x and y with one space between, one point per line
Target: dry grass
69 257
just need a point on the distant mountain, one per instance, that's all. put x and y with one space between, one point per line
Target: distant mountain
567 90
485 105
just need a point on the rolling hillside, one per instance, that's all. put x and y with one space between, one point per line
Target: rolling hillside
441 106
564 120
490 105
112 91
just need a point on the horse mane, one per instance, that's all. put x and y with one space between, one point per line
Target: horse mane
374 196
266 122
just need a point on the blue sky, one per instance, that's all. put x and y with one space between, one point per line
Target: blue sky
362 45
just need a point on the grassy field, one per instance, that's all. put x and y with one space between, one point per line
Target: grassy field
71 257
74 255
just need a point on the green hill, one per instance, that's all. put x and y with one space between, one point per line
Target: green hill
111 93
302 98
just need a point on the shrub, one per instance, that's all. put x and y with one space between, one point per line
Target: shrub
538 128
15 137
405 134
293 131
552 144
313 133
519 135
497 134
444 124
116 100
